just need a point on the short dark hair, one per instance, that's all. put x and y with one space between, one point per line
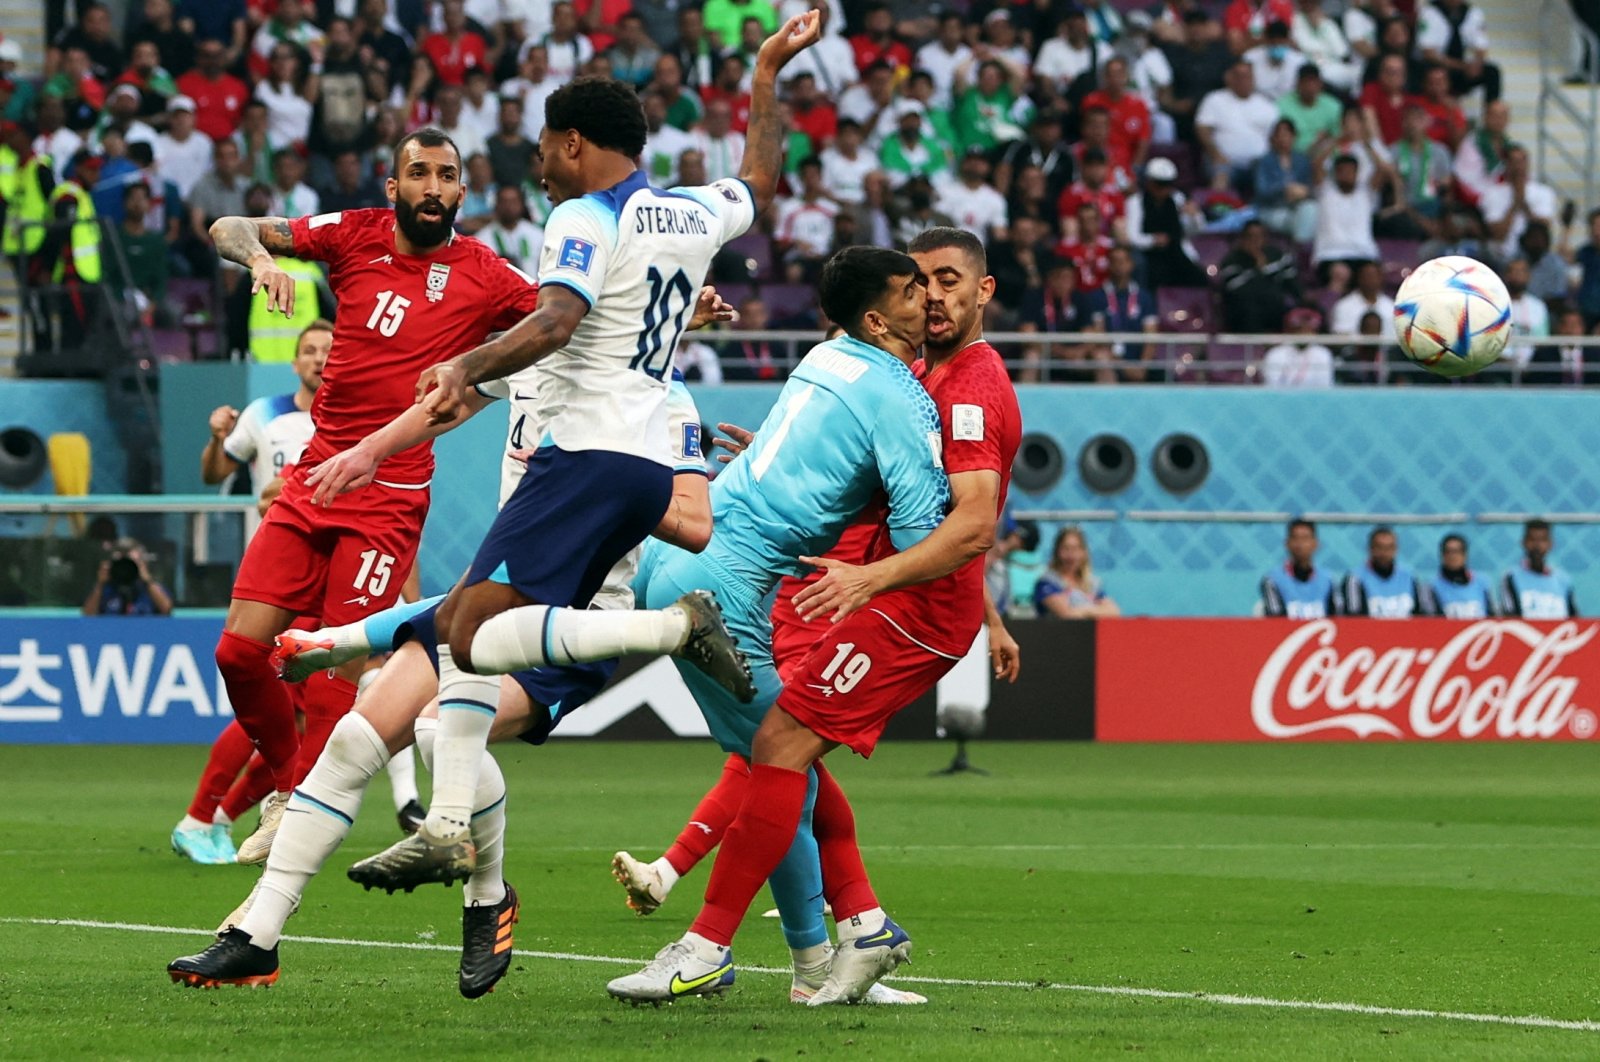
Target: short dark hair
1453 537
857 277
602 110
942 236
1381 529
1301 521
1535 524
136 186
427 136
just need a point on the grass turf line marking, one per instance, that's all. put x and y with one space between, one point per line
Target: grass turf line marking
1218 998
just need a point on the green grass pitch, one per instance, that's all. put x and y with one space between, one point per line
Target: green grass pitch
1451 880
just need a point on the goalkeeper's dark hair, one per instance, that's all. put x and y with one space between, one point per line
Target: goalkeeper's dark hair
604 111
856 278
942 236
427 136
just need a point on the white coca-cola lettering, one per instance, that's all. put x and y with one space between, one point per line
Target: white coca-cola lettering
1307 686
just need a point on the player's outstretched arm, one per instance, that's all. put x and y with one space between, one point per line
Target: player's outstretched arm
443 388
356 467
252 242
966 532
765 137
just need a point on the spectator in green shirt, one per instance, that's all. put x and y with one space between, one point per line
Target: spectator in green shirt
684 108
988 112
911 152
920 88
725 18
144 250
1314 112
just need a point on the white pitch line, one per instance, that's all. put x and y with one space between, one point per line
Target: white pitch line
1218 998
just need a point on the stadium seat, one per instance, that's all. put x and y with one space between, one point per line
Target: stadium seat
1399 258
755 248
1211 249
787 300
1184 309
71 467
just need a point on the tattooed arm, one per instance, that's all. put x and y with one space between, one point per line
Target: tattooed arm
764 140
252 242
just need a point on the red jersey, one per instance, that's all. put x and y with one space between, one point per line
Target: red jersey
867 51
738 102
1093 259
453 58
1390 112
399 314
1110 203
981 430
1250 17
218 104
1130 122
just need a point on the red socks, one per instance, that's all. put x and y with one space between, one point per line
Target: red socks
260 703
229 754
751 849
711 816
251 789
327 698
844 876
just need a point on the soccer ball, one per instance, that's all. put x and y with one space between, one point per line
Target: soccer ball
1453 316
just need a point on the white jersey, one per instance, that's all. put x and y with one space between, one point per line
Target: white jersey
269 436
638 256
528 421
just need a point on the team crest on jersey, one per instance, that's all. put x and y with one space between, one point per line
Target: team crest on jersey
438 277
575 254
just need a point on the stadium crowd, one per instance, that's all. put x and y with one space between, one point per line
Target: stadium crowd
1252 166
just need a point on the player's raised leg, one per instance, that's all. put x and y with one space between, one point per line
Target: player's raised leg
647 884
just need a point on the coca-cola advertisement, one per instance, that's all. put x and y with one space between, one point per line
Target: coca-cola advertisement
1346 680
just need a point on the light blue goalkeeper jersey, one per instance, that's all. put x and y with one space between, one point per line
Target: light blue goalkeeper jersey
851 421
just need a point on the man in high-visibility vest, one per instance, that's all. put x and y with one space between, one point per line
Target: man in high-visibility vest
26 181
274 337
71 250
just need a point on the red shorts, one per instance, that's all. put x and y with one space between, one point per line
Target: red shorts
341 563
792 637
858 675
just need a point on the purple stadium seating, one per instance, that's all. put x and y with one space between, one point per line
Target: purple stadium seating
757 251
1399 258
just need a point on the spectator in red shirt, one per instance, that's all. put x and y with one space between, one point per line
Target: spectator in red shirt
1246 21
1092 189
1446 124
1089 250
728 88
1383 102
877 43
812 114
1129 114
1096 131
456 50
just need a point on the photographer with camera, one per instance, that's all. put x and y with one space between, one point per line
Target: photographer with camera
124 586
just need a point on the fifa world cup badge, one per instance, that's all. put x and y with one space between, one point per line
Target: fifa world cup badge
438 276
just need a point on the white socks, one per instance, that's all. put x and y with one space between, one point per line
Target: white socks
539 635
466 713
403 779
669 874
315 823
811 964
189 822
868 921
486 886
